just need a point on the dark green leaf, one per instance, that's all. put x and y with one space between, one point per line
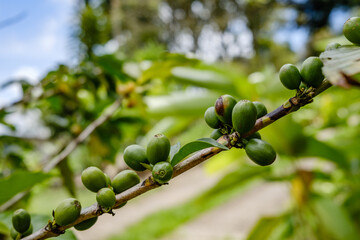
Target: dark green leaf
342 65
19 181
112 66
67 176
195 146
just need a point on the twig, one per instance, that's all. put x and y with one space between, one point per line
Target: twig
70 147
292 105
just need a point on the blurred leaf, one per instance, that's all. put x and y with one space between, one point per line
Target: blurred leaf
316 148
162 68
195 146
180 104
112 65
67 176
334 219
342 66
265 227
203 78
3 228
174 149
19 182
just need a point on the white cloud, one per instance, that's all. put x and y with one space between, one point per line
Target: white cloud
10 94
29 73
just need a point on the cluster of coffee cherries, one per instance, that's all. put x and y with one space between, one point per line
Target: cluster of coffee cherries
155 158
310 74
229 115
99 182
21 222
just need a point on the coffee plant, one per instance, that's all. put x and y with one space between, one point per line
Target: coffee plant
235 122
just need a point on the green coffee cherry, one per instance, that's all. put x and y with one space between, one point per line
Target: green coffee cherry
332 46
260 152
211 119
254 135
93 179
121 205
162 172
67 211
223 108
311 71
84 225
108 181
124 180
106 198
21 220
14 234
28 232
158 149
260 109
216 134
244 116
290 76
134 155
351 30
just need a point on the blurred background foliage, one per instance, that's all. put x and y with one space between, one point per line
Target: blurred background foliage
168 61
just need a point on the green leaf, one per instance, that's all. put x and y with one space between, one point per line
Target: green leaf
316 148
335 220
112 65
265 227
19 181
174 149
67 176
3 228
203 78
195 146
342 65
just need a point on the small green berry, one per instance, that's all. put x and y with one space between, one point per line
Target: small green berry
134 155
21 220
124 180
351 30
162 172
290 76
158 149
84 225
106 198
67 211
93 179
211 119
260 109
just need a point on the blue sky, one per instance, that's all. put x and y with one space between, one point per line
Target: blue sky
36 43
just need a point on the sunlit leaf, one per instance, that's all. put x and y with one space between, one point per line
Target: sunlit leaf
342 66
202 78
265 227
174 149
